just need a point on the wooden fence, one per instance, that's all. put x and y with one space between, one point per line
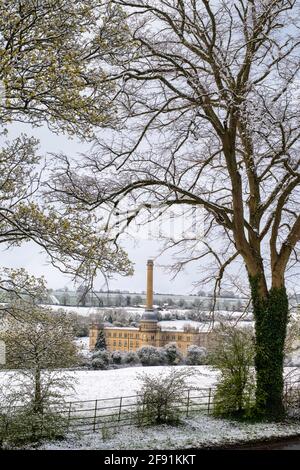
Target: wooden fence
92 415
104 413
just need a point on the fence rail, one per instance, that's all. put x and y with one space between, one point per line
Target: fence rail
122 411
104 413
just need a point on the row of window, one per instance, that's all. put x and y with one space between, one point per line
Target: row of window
123 344
136 336
122 335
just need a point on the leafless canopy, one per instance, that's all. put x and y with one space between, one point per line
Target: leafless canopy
208 105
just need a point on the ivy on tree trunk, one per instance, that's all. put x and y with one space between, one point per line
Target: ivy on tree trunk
271 318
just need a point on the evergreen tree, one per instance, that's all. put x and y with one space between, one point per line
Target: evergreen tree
100 343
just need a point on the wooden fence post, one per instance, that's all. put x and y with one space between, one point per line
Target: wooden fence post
120 409
69 416
95 415
188 404
209 399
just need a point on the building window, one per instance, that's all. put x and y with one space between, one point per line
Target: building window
188 338
152 337
120 343
115 335
125 335
115 343
179 338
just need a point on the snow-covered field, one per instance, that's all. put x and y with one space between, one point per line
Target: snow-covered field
89 311
91 385
122 382
203 326
198 432
97 384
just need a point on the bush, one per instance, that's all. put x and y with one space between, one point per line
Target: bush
117 357
196 355
234 358
101 360
172 354
162 398
27 426
131 357
151 356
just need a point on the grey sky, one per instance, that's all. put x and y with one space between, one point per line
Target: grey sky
30 256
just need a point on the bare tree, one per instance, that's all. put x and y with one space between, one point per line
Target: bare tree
209 118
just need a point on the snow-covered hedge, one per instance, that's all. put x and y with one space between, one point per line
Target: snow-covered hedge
151 356
101 360
196 355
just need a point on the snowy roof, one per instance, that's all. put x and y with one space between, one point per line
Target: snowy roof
121 328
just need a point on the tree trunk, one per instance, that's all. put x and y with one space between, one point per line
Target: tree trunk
271 318
37 404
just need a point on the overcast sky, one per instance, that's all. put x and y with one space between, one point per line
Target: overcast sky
30 256
139 250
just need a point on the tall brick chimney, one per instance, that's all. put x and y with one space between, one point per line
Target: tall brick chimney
149 298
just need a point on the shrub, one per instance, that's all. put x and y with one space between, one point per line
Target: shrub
131 357
117 357
196 355
172 354
151 356
25 426
162 398
101 360
234 358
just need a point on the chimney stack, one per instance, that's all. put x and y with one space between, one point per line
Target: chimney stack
149 300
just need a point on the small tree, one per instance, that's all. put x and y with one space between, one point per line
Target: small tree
101 360
117 357
65 299
234 358
100 343
161 396
196 355
172 354
292 342
38 342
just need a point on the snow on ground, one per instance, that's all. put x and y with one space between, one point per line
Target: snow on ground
124 382
89 311
203 326
198 432
96 384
